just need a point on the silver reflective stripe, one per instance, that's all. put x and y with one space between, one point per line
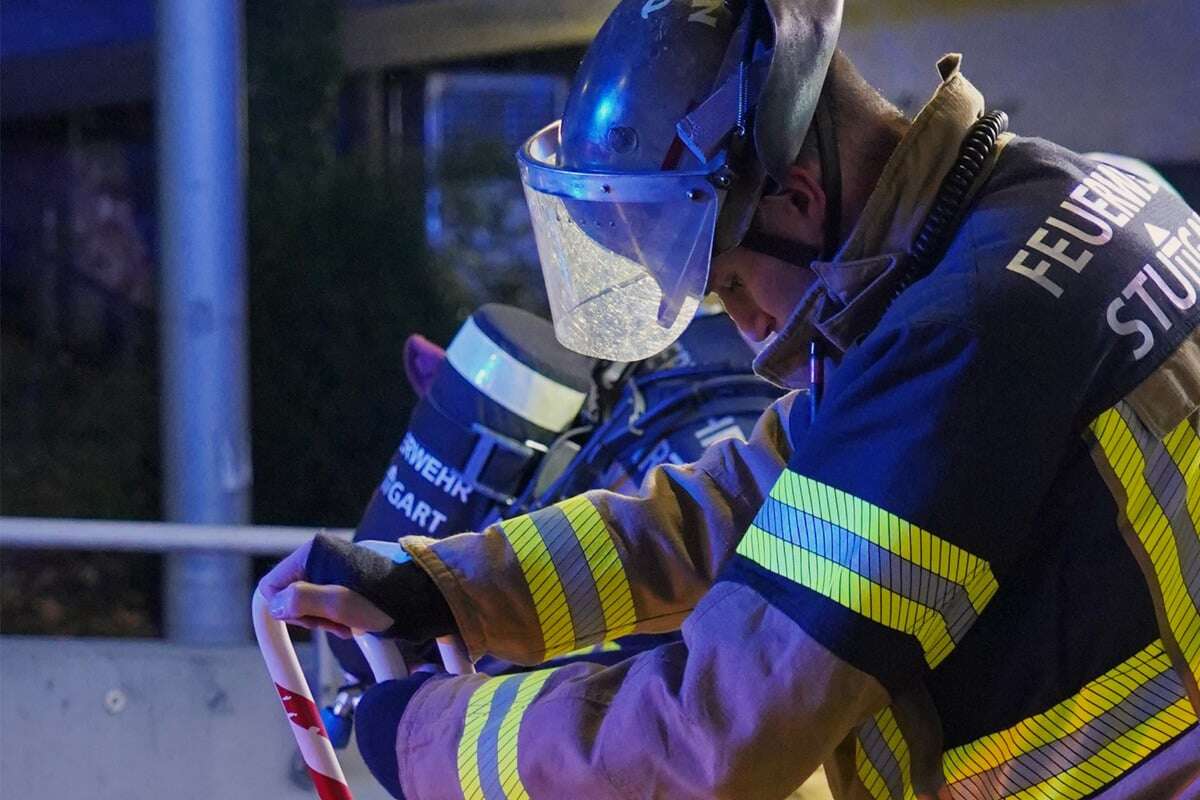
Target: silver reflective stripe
519 388
1169 488
1081 744
1055 758
885 761
579 586
863 557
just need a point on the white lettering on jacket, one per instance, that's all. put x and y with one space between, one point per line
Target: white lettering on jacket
1106 199
1174 280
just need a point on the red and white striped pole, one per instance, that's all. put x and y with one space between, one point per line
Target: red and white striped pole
297 699
386 664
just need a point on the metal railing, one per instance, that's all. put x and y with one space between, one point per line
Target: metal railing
154 537
206 576
235 697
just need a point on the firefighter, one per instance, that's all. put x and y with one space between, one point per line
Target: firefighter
972 570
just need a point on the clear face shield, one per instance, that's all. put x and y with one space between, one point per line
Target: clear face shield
625 256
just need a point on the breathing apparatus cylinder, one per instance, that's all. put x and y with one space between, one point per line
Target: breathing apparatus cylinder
504 392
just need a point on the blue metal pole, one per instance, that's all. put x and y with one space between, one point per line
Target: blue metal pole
202 305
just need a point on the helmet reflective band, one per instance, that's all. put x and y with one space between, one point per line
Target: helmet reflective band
625 257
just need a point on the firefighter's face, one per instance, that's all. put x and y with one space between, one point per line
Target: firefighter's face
758 291
761 291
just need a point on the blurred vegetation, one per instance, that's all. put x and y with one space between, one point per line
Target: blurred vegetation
78 371
79 439
338 277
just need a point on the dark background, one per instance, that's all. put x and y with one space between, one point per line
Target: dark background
339 275
341 261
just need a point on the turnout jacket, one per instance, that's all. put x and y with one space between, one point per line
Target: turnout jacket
975 575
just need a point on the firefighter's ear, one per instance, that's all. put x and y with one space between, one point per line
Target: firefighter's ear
806 206
796 211
421 360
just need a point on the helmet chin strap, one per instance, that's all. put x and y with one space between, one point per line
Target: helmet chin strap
789 251
831 182
800 254
831 171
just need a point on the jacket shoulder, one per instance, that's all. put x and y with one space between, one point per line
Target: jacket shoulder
1075 274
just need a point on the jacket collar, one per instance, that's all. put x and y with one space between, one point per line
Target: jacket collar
854 288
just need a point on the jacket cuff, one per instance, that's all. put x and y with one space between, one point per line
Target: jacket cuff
401 590
452 591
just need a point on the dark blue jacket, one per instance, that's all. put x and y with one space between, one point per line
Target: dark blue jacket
995 511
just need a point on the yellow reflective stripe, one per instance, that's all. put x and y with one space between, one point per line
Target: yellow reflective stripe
871 561
1083 743
1077 747
478 707
574 606
881 742
608 572
549 599
593 649
1065 718
1117 758
869 775
886 721
1183 444
503 718
890 532
506 746
1150 524
848 588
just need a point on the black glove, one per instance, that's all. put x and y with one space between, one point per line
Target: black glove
398 587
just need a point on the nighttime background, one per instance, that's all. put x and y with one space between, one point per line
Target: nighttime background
339 270
382 199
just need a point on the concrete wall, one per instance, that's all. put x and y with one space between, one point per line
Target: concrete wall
1118 75
144 720
1121 75
1113 75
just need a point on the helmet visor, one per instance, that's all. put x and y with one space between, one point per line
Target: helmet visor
625 256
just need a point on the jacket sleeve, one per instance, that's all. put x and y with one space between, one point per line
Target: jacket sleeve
603 565
746 706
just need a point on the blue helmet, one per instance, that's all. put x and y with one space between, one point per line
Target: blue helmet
679 112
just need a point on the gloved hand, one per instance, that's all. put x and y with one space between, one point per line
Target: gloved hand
337 586
375 722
